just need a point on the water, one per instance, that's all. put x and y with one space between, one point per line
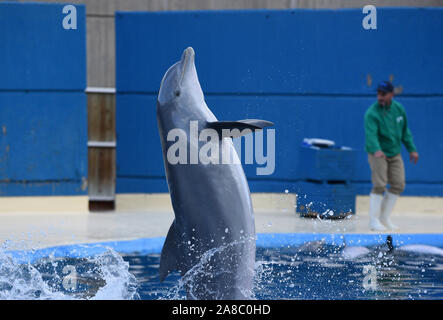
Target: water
104 276
314 270
318 271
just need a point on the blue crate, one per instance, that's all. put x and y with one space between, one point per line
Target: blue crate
327 164
325 200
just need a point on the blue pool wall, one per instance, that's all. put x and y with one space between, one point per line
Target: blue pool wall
43 111
312 72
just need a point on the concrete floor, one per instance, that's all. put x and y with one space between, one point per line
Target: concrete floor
25 230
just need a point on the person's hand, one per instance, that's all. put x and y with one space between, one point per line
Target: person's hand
379 154
413 156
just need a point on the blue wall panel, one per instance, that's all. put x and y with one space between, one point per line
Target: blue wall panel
138 143
37 53
305 70
43 136
43 112
339 119
141 185
292 51
42 188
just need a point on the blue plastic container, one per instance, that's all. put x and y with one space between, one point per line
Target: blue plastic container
327 171
325 200
327 164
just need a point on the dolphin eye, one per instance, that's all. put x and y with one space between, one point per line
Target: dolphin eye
177 93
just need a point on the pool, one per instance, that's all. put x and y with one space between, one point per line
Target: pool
288 266
318 271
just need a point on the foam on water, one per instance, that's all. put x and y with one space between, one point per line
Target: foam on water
23 281
103 276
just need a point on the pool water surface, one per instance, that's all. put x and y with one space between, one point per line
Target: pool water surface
318 271
312 270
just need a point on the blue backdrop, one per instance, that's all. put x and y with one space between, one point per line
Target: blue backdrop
43 114
312 72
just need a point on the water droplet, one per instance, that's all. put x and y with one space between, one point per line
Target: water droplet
226 230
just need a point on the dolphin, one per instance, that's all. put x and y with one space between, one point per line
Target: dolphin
422 249
212 238
355 252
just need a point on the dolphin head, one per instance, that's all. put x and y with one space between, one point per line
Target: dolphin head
181 81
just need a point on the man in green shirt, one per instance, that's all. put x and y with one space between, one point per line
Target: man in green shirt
386 129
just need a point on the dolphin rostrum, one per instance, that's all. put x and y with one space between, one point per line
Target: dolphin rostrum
212 238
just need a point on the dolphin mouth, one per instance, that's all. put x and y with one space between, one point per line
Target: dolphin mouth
186 61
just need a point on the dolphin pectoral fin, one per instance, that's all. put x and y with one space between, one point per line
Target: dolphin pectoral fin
170 255
240 125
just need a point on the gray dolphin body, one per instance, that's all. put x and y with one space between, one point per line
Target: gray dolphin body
212 238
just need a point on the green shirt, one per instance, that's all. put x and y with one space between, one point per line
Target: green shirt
386 128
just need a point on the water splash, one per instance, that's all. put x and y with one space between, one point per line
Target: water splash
103 276
120 283
193 283
23 282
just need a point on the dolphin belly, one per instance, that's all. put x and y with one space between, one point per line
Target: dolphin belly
213 229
